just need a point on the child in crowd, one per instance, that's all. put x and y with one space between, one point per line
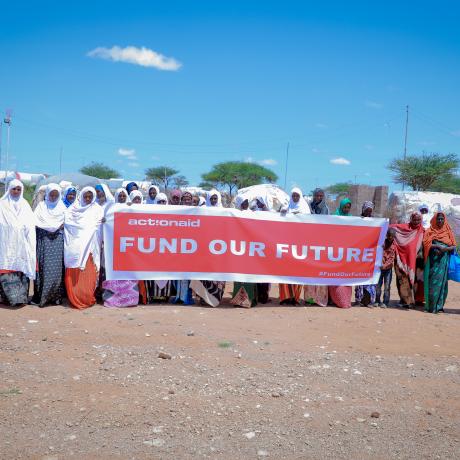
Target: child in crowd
386 270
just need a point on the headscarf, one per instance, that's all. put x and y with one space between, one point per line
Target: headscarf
117 194
129 187
425 217
161 197
109 199
50 215
320 207
17 233
68 190
342 204
301 207
176 193
239 200
209 194
367 205
81 236
266 200
202 201
149 200
134 194
408 241
444 234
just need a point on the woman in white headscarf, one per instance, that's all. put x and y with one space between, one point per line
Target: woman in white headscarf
152 194
49 284
135 197
82 249
104 197
213 199
297 203
210 292
121 196
17 245
290 294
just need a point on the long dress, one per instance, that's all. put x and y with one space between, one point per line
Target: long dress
244 295
81 285
436 279
17 247
210 292
341 295
318 295
120 294
49 284
290 293
159 291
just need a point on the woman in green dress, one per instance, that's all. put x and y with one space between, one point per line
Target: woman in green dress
438 244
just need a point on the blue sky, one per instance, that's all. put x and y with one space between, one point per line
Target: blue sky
230 80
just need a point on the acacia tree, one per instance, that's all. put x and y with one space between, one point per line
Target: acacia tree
165 177
421 172
99 170
339 189
236 175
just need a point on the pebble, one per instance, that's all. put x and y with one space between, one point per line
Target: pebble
306 415
262 453
154 443
375 414
276 395
9 334
32 321
250 435
361 420
164 355
190 333
147 334
451 368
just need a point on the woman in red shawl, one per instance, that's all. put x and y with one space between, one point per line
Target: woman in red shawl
408 242
438 244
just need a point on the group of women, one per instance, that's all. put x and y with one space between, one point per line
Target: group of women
59 245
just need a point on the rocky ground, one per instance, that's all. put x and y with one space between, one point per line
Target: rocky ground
192 382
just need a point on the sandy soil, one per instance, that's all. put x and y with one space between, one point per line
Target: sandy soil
269 382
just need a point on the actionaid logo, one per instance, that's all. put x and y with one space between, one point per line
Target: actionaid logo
165 222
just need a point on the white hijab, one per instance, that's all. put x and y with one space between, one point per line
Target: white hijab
301 207
149 200
117 194
208 199
50 215
134 194
266 200
109 199
161 197
17 233
81 224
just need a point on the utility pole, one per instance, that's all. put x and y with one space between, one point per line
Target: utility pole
286 166
7 121
405 137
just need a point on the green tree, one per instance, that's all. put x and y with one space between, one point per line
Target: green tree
236 175
339 189
99 170
447 185
165 177
421 172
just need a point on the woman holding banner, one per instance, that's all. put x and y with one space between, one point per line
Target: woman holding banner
244 294
290 293
210 292
341 295
408 241
82 249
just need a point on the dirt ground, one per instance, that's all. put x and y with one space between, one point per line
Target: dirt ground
270 382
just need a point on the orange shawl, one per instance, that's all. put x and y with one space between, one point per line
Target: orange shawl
443 234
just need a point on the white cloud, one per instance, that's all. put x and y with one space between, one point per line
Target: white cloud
249 160
144 57
373 104
133 164
129 154
340 161
268 162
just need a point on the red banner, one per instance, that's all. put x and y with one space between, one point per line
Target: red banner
175 242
